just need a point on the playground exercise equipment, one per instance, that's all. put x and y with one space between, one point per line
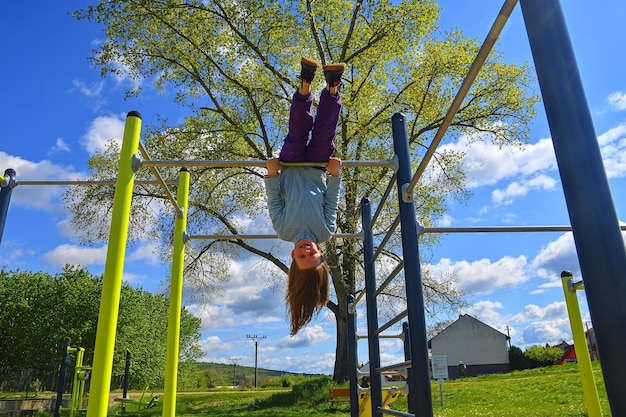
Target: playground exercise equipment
81 376
125 399
593 219
594 222
580 344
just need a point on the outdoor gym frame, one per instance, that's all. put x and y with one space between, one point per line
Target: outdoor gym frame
594 224
112 280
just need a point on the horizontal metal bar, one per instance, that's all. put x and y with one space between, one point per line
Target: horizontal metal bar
394 412
493 229
395 367
258 163
391 322
87 182
383 336
253 237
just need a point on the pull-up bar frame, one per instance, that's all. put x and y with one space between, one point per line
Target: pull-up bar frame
391 163
258 237
85 182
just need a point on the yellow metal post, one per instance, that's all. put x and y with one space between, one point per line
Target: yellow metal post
580 345
176 296
112 281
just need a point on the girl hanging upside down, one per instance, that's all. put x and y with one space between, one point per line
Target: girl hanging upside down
303 201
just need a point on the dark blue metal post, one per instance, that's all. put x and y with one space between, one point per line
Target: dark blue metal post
412 272
126 380
373 344
409 376
62 375
5 198
595 226
352 358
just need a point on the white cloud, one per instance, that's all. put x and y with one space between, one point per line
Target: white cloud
215 349
549 324
101 131
555 257
617 100
145 252
313 362
446 220
533 168
309 336
520 189
613 149
547 331
46 197
88 90
484 275
90 256
75 255
487 164
533 312
534 324
212 316
60 146
487 311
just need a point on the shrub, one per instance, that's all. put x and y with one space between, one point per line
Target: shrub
313 391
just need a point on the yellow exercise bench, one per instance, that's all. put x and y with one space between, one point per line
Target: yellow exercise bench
390 394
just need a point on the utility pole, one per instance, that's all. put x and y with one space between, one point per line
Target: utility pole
234 361
256 339
508 333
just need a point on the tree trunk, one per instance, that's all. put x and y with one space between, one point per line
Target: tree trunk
342 371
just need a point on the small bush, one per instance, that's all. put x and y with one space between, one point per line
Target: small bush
312 391
543 356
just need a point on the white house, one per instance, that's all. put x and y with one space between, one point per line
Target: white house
470 342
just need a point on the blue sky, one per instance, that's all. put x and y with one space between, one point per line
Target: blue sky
58 110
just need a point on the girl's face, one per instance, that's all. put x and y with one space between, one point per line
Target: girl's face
307 254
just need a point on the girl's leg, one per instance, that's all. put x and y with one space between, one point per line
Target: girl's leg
322 144
300 124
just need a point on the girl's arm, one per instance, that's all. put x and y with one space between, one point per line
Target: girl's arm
331 197
275 203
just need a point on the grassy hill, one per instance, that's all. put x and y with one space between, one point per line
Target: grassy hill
221 374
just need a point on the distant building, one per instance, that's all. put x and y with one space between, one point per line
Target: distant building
472 347
569 353
592 344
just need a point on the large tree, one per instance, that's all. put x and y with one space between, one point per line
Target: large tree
233 64
39 311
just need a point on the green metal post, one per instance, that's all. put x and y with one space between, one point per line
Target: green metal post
176 297
114 268
580 345
78 384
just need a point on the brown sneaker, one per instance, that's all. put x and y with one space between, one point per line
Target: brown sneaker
307 71
333 73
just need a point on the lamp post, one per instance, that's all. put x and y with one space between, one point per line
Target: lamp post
256 339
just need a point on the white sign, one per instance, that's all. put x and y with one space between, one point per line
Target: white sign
440 366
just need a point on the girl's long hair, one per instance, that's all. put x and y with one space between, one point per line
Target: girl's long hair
307 293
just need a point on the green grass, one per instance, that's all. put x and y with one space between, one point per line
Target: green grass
552 391
545 392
